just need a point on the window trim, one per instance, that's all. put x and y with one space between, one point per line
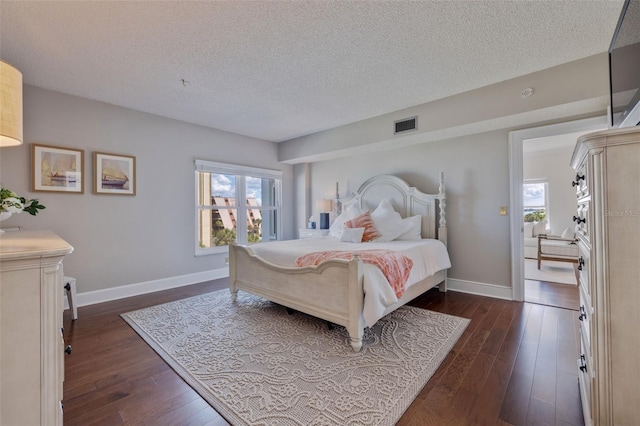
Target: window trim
241 173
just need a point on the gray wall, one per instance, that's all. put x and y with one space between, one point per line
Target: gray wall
121 240
476 171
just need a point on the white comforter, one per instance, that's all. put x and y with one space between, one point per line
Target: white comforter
429 256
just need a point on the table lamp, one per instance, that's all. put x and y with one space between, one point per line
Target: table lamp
324 207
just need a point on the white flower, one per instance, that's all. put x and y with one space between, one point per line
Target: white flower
10 202
12 205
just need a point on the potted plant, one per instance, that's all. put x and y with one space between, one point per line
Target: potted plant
11 203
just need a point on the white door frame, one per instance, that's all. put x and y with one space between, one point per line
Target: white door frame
516 139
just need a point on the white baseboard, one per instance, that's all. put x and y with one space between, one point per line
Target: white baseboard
106 295
480 289
109 294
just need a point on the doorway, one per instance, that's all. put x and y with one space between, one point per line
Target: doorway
542 138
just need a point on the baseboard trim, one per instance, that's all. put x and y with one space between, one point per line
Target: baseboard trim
480 289
109 294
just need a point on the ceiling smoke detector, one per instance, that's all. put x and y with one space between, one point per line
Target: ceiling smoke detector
526 92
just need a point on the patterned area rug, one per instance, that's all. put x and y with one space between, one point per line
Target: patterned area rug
257 365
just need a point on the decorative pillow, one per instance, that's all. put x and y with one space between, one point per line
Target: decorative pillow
528 229
415 232
388 222
364 221
352 235
540 228
568 234
335 230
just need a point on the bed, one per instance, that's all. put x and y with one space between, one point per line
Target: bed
339 291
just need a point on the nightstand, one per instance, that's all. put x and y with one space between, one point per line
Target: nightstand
313 233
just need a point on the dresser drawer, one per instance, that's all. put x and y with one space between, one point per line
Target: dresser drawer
584 268
584 381
585 315
581 183
582 220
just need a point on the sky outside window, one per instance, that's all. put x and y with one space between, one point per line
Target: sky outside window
225 186
533 195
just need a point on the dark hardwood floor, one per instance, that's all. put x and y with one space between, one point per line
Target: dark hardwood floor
514 364
552 294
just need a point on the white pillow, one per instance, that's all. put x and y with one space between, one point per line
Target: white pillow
388 222
335 230
351 235
540 228
568 234
528 229
415 232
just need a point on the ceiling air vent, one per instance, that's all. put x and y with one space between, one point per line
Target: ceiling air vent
405 125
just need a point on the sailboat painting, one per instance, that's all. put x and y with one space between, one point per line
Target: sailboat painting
114 174
57 169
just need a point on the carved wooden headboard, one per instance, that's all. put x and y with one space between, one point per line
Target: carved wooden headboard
406 200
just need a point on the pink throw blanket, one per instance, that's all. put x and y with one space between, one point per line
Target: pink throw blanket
396 267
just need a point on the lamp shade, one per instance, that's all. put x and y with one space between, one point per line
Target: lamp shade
10 105
324 205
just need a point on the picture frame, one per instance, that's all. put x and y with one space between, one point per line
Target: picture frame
57 169
114 174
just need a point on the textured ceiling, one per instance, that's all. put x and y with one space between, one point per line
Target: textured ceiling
279 70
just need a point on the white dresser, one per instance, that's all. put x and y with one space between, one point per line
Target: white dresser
31 343
608 227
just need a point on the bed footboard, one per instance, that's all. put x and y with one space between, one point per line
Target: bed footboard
315 290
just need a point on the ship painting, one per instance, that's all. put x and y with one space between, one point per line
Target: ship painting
59 169
113 175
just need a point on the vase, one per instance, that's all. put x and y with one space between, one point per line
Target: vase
3 216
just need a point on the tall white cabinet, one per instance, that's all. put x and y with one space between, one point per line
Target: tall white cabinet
608 224
31 342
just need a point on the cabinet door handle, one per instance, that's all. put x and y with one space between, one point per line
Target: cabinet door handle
580 263
68 349
583 313
577 181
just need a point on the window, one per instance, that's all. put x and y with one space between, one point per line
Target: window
235 204
535 200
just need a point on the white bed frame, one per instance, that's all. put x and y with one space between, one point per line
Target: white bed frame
333 290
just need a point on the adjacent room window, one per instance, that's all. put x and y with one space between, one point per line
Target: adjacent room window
535 200
235 204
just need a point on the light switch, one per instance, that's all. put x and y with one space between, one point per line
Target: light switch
503 210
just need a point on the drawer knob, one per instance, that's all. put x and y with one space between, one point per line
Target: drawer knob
580 263
583 364
68 349
583 313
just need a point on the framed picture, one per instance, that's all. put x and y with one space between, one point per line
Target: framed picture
57 169
114 174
